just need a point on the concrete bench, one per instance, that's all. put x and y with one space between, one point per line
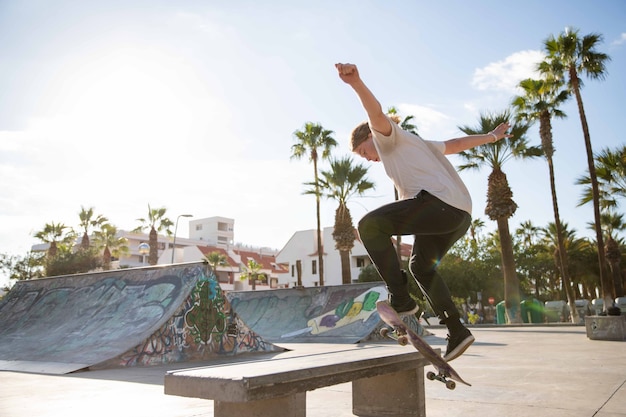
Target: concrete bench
386 380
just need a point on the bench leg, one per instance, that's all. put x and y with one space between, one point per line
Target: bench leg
398 394
290 406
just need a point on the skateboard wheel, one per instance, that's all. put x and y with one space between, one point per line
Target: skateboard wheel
450 385
403 341
384 332
430 375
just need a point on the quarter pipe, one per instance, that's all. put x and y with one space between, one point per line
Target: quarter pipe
171 313
139 316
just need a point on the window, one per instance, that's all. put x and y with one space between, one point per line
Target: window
360 262
293 270
314 267
198 227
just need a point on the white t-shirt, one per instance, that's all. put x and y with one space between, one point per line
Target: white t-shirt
415 164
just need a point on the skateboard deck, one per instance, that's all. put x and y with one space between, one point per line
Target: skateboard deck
405 335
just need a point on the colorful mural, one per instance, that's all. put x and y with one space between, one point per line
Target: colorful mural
329 314
140 316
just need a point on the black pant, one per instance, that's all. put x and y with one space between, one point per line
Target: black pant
435 226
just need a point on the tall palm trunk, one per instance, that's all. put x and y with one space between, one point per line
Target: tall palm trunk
153 240
343 233
545 132
84 243
605 282
52 250
511 282
320 246
106 259
562 252
500 207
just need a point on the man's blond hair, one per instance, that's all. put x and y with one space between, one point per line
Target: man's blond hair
362 131
359 135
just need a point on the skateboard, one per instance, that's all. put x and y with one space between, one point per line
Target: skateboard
404 335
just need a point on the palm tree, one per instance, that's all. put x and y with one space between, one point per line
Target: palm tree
156 222
541 101
527 231
87 221
54 234
571 245
313 139
474 230
252 269
611 172
215 259
569 56
528 254
500 204
112 245
341 182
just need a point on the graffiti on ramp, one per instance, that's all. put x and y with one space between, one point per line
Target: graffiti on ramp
330 314
139 316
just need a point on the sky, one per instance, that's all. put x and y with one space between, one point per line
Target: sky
193 105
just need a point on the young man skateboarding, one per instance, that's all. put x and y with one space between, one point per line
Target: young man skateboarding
434 207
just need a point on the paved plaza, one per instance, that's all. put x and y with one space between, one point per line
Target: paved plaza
539 371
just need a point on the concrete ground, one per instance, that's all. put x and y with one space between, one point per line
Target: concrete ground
533 370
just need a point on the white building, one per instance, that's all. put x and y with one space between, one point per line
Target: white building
302 249
219 231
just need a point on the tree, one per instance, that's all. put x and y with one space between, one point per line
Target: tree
156 222
541 101
568 57
475 227
313 139
500 204
61 258
343 181
572 245
611 173
252 270
53 234
532 259
87 221
111 245
21 268
215 259
612 223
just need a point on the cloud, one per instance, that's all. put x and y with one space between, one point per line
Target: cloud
506 74
430 122
619 41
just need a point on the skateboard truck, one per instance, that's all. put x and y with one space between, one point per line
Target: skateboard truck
403 340
441 378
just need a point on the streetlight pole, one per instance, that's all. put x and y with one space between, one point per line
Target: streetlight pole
176 230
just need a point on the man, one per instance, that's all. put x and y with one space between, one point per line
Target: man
434 206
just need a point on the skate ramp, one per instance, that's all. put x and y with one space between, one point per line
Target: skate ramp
139 316
329 314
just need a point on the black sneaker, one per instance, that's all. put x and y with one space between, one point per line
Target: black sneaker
458 342
407 308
